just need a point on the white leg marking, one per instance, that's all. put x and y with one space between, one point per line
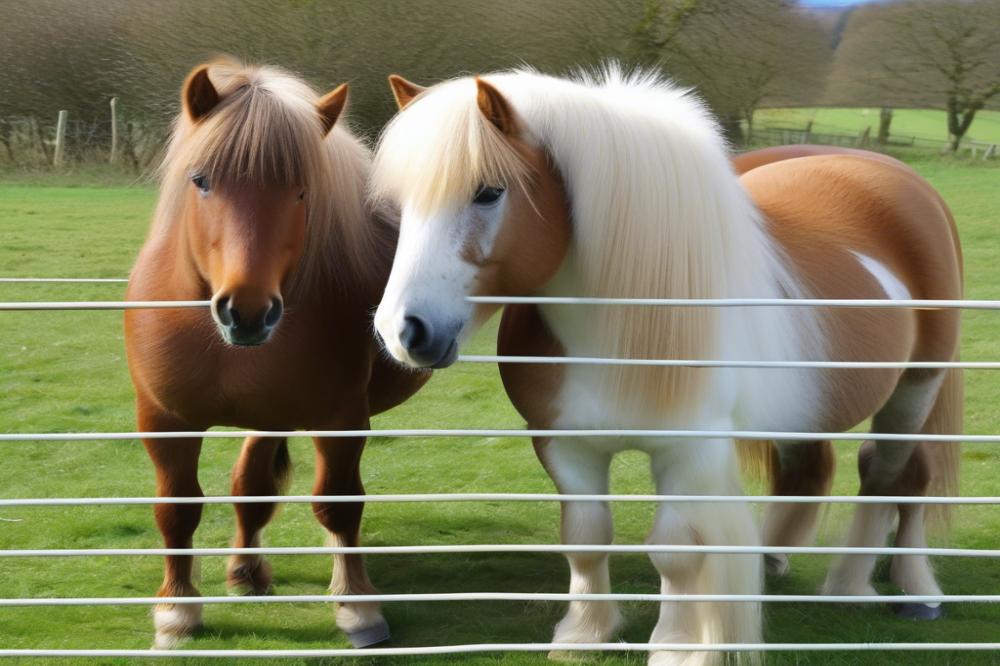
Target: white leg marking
174 623
707 467
355 619
905 412
577 468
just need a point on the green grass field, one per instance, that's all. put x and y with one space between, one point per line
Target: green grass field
65 371
906 123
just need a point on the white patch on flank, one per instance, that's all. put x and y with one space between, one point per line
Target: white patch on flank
892 285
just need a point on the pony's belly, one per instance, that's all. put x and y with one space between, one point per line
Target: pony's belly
582 405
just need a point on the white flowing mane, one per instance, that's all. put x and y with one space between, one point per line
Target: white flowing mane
657 212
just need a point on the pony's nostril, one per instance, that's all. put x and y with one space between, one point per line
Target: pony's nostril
234 318
274 313
224 312
416 333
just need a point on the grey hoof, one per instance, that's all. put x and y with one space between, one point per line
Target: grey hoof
910 611
377 633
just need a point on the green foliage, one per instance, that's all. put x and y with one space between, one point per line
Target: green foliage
66 371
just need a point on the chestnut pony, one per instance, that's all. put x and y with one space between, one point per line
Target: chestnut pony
262 209
616 185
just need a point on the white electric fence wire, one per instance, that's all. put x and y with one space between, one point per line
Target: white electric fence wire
713 363
23 280
693 435
16 306
922 304
512 647
919 304
501 596
536 548
497 497
426 549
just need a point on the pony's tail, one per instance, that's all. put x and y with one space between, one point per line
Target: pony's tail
282 467
944 458
758 459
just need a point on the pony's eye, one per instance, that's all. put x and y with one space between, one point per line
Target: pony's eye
302 195
487 195
201 182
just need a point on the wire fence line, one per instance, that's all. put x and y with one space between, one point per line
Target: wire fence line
500 596
513 647
496 497
917 303
21 280
681 434
493 548
692 436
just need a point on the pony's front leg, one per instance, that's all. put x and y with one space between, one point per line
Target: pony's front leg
338 473
262 469
577 468
702 468
176 462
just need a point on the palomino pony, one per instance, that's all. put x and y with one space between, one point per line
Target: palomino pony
262 209
621 185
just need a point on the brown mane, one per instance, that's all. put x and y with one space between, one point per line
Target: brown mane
266 132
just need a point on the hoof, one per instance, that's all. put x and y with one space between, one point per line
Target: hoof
174 624
377 633
776 564
911 611
249 579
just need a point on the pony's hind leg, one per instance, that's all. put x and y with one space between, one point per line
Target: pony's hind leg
176 462
913 573
882 465
262 469
705 467
577 468
798 468
338 473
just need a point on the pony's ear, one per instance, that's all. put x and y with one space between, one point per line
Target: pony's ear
330 106
404 91
198 96
495 108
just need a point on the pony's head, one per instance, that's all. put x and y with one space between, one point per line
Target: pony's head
246 178
472 185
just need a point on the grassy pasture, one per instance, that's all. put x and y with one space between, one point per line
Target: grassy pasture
921 123
66 371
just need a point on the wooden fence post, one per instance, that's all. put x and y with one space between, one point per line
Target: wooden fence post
57 158
863 139
114 130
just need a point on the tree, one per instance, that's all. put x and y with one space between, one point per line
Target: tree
737 55
919 53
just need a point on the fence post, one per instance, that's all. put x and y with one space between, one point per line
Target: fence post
863 139
114 131
57 158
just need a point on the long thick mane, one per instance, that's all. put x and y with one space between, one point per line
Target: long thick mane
266 132
656 212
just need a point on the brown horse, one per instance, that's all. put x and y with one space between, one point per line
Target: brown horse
262 209
615 185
